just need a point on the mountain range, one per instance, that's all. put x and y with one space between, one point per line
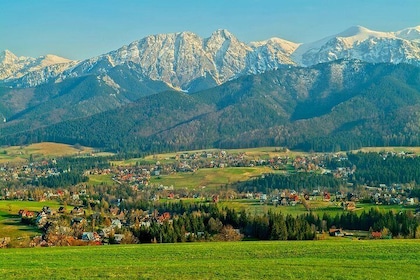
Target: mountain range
184 60
179 91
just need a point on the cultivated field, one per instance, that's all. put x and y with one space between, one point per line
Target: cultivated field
328 259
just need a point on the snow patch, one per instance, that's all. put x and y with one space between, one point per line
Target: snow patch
111 83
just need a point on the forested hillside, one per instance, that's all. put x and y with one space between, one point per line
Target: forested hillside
328 107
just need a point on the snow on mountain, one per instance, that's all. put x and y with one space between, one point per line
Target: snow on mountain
28 71
411 34
358 42
180 58
184 60
7 57
11 64
270 54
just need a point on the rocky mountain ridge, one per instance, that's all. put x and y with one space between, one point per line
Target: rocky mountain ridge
188 62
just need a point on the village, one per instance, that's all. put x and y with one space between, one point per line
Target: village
138 178
90 216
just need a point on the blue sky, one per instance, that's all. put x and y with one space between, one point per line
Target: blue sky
79 29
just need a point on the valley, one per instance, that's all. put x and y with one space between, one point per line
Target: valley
202 153
55 194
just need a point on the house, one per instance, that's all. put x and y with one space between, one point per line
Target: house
349 206
376 234
115 223
77 220
78 211
104 233
164 217
91 236
118 238
337 232
145 224
26 214
41 219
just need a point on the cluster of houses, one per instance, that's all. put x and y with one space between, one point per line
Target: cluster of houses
139 176
27 171
338 232
76 230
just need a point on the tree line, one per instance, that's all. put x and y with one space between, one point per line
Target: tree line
208 221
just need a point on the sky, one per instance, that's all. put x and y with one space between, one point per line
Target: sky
80 29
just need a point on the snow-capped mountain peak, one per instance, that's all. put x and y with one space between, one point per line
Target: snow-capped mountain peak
28 71
358 42
411 34
287 47
222 33
359 33
51 59
181 58
184 60
7 57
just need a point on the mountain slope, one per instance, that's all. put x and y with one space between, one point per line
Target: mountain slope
342 104
74 98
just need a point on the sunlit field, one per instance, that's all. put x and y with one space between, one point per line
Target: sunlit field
328 259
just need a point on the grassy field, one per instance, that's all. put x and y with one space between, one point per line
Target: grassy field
318 207
13 206
328 259
415 150
210 177
39 150
101 179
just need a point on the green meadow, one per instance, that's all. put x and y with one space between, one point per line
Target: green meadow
212 178
328 259
101 179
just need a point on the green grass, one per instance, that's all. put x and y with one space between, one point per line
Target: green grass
210 177
319 207
101 179
13 206
255 207
329 259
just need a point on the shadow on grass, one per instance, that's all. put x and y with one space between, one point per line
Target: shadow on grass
8 216
11 223
29 229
